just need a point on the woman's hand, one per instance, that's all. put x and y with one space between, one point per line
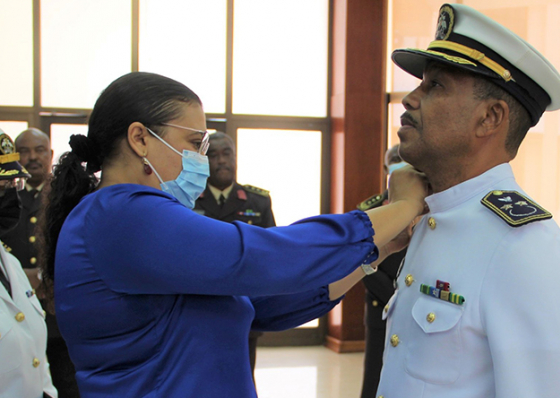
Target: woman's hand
410 185
402 239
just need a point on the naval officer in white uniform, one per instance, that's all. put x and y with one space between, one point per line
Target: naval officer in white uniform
24 370
476 313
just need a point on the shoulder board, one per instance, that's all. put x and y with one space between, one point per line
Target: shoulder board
6 247
372 202
514 208
258 191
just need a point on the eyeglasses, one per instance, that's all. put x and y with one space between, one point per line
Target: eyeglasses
204 144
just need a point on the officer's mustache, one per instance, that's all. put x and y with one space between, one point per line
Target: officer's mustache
33 163
408 120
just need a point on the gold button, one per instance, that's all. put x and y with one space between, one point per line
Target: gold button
386 309
32 260
408 280
36 362
44 314
375 303
498 193
20 317
432 223
431 317
32 239
395 340
506 74
33 220
381 396
250 222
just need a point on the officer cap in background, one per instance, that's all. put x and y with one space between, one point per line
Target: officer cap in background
9 165
467 39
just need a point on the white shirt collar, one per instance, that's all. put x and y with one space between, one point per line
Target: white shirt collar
39 188
475 187
216 192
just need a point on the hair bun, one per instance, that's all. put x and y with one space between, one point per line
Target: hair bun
84 148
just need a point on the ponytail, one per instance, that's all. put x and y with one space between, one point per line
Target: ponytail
69 184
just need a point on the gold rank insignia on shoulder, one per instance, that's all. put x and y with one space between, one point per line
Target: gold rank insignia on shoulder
6 247
258 191
514 208
373 201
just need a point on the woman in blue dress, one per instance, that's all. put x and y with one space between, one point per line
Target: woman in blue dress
155 300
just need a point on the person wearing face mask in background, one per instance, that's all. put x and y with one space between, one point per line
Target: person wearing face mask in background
24 370
226 200
156 300
379 289
34 148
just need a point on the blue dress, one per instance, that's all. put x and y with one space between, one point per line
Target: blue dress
155 300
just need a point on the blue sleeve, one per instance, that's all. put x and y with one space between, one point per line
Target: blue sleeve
283 312
151 244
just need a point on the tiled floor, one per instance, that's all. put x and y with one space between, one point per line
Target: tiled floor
308 372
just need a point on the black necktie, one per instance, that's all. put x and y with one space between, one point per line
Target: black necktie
221 200
5 281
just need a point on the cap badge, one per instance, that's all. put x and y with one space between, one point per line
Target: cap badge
6 145
445 23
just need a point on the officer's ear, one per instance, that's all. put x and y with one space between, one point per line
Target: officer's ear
495 118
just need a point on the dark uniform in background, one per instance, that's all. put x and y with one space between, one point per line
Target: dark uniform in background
21 241
244 203
379 289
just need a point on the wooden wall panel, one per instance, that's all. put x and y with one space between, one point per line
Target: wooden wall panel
358 134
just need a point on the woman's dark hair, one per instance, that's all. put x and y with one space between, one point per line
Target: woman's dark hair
147 98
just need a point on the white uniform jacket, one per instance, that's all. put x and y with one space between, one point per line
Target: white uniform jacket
24 371
504 340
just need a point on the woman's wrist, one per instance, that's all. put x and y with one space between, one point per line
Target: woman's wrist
412 207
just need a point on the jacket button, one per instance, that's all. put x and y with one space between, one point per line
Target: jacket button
432 223
386 309
431 317
20 316
33 220
395 340
32 239
408 280
36 362
375 303
33 260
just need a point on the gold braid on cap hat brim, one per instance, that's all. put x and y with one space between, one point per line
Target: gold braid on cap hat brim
9 173
474 55
10 157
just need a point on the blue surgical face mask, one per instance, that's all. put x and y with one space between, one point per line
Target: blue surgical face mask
191 181
395 166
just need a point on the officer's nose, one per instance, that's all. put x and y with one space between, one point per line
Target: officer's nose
411 101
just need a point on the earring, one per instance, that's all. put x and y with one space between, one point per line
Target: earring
147 168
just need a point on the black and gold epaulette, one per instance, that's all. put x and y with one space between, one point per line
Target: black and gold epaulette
6 247
258 191
373 201
514 208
